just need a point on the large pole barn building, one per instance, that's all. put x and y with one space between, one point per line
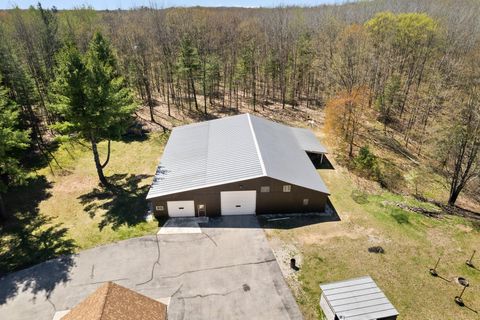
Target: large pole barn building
236 165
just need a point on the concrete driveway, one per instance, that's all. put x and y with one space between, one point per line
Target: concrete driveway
227 271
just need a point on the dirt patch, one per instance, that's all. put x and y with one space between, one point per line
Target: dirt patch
329 231
75 184
438 238
376 239
464 228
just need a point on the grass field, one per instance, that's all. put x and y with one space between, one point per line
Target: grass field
412 242
65 210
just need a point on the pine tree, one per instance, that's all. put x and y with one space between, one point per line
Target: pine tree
91 98
12 139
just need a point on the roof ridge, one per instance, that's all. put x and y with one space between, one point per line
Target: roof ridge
109 285
254 135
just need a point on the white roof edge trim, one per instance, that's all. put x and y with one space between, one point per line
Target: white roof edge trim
202 187
262 164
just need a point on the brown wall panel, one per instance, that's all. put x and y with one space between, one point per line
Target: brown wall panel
275 201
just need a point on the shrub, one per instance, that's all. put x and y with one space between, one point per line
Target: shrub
366 163
401 218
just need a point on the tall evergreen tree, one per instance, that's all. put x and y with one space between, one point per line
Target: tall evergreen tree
12 139
91 98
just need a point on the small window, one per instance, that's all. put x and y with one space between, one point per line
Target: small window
159 208
287 188
305 202
265 189
201 206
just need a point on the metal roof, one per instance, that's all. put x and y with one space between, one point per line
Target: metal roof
358 299
307 140
232 149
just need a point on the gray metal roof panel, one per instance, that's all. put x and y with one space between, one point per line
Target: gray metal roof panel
358 299
206 154
283 157
307 140
232 149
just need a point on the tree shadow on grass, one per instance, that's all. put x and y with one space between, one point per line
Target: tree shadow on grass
127 206
135 132
30 238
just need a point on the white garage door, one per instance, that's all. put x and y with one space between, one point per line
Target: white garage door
181 208
238 202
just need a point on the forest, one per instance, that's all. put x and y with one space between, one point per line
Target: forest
410 69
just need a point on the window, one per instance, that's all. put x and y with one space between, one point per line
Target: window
265 189
159 208
287 188
201 207
305 202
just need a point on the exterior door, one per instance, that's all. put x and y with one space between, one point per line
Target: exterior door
238 202
181 208
202 210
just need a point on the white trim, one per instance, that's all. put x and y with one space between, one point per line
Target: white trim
256 145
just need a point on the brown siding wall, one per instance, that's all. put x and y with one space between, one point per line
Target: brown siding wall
275 201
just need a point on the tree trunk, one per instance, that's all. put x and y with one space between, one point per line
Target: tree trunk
98 165
454 193
168 100
108 154
254 88
149 101
204 86
4 216
193 91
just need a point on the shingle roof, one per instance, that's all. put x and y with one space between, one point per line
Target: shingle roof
233 149
114 302
358 299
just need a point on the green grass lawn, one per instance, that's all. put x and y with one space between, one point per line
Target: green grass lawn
65 210
338 250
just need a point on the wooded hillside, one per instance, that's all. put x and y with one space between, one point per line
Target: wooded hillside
407 69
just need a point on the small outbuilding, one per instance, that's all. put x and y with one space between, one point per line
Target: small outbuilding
238 165
356 299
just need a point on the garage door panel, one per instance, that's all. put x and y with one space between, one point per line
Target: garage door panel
181 208
238 202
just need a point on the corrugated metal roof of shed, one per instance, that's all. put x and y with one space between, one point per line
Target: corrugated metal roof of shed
307 140
232 149
358 299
